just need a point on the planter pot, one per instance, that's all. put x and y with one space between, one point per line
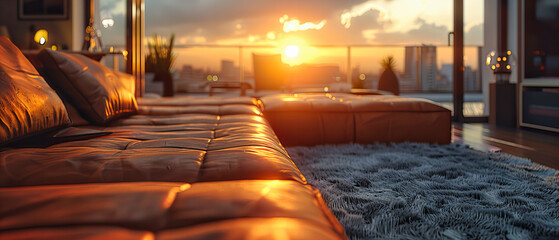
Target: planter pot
167 80
389 82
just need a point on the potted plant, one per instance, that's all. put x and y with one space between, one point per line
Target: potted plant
160 59
388 80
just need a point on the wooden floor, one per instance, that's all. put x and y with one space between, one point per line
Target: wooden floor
539 146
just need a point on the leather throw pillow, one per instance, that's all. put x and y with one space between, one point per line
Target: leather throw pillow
28 106
98 93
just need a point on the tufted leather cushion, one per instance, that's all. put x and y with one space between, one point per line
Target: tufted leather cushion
184 101
99 93
179 148
28 105
255 209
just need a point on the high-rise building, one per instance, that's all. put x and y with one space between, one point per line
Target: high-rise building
229 71
420 68
471 78
445 77
190 79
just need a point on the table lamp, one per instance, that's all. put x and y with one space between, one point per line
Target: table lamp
41 37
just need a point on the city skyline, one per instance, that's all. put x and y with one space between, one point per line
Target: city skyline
368 58
420 74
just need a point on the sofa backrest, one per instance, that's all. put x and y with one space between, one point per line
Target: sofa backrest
28 106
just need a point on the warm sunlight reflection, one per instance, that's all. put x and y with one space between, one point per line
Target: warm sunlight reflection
274 229
170 199
184 187
266 190
256 111
290 99
148 236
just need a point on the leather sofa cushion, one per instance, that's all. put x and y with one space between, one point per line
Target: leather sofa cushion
206 105
231 109
253 229
180 148
77 233
99 93
341 102
197 101
213 210
135 205
28 105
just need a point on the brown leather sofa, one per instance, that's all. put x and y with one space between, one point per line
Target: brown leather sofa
149 169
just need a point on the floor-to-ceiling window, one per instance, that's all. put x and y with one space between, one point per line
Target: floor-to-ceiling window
343 42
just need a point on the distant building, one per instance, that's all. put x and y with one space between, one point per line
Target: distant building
420 68
445 77
472 81
229 72
190 79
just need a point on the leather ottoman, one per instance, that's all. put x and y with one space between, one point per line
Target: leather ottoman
324 118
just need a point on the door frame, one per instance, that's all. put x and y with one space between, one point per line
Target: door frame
458 63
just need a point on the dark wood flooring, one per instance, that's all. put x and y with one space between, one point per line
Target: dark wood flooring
539 146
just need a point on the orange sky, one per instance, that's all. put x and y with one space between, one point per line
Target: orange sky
312 22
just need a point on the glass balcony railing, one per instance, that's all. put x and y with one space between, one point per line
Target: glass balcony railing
421 69
424 71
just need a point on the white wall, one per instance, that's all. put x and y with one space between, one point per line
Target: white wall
78 22
512 36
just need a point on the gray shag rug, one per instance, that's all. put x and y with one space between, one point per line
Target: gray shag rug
421 191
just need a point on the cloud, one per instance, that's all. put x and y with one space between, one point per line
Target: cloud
339 22
113 7
293 24
205 13
473 34
359 10
425 33
217 20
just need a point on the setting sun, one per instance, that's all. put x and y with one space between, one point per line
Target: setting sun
295 51
291 51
